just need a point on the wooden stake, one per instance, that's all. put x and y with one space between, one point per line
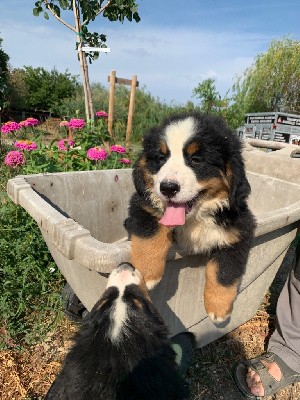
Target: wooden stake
112 80
131 109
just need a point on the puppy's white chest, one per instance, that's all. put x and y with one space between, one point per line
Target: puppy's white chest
200 236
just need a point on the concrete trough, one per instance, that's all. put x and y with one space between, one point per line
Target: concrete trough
81 214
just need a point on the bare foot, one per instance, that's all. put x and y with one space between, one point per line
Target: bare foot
253 379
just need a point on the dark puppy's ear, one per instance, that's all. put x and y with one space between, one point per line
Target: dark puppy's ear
238 183
142 179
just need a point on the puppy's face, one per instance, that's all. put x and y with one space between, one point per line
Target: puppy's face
187 161
125 298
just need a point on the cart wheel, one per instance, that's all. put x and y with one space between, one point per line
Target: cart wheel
72 306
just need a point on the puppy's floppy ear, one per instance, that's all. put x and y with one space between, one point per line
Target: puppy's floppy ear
239 188
142 178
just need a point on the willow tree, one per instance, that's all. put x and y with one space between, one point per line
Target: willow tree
272 82
85 11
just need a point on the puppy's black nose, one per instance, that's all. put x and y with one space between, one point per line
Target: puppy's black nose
125 266
169 188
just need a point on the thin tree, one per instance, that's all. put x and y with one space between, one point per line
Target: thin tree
85 11
210 98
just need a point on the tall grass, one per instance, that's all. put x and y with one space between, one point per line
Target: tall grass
148 110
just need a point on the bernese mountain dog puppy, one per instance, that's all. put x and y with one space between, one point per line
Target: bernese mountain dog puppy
191 188
122 350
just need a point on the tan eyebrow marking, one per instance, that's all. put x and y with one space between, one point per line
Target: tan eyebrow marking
163 147
192 148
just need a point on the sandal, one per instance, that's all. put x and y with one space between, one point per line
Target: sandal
270 384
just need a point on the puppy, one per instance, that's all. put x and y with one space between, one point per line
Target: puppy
122 350
191 187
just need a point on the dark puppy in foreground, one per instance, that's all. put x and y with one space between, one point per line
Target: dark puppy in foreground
122 350
191 187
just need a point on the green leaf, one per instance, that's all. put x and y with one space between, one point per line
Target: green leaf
36 12
64 4
56 9
46 16
136 17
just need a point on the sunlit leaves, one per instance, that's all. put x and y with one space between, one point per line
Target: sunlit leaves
116 10
272 83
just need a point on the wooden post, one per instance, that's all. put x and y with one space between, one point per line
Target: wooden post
131 109
112 80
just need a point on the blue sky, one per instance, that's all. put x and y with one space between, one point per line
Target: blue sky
176 45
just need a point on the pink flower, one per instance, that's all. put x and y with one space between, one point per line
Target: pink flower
76 123
14 158
117 149
65 144
25 145
10 126
96 153
64 123
125 161
29 122
101 114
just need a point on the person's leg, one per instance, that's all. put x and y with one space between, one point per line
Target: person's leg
285 341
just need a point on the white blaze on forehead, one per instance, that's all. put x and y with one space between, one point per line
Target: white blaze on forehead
178 133
175 169
121 279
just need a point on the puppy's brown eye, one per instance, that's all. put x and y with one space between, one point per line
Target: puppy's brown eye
161 157
196 159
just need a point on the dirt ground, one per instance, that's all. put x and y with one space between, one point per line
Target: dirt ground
27 375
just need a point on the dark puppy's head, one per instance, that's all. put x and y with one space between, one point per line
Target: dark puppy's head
192 159
125 307
122 350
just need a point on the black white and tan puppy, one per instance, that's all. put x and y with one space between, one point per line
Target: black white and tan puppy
191 187
122 350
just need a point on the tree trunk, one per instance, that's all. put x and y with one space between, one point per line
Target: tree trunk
88 101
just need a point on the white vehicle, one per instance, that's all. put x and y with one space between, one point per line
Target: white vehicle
275 126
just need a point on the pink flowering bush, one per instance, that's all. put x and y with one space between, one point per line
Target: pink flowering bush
65 144
14 159
25 145
97 154
29 122
91 152
10 126
76 123
117 149
101 114
125 161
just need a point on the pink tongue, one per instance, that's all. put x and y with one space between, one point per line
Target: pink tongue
174 215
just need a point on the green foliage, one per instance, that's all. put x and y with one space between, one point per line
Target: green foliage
272 83
30 283
4 58
148 110
18 92
42 90
210 99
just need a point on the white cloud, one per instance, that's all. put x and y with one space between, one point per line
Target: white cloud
169 62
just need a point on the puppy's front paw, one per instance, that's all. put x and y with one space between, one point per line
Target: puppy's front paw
218 308
152 283
217 319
